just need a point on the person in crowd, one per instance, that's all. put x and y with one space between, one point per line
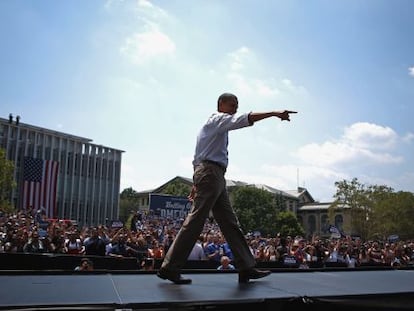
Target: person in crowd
363 257
148 264
156 250
119 246
343 256
54 238
208 238
197 253
353 257
209 192
402 257
73 244
333 247
95 244
169 238
376 254
34 244
310 255
213 250
260 254
135 222
85 265
16 231
297 249
226 248
139 245
270 252
320 251
14 241
389 253
225 263
282 250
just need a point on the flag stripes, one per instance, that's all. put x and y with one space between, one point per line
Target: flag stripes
40 185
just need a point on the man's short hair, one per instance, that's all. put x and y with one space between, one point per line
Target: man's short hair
226 97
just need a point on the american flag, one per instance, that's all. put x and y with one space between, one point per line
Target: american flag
39 185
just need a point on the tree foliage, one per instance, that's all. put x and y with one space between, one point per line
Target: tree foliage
7 182
376 211
129 193
394 214
288 224
260 210
177 188
128 203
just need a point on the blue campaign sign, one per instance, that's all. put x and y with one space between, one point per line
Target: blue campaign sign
168 206
393 238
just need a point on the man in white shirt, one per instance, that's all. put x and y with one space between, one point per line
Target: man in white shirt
197 253
209 193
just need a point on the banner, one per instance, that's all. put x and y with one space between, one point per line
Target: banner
168 206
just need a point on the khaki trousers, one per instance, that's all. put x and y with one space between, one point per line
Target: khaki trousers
211 195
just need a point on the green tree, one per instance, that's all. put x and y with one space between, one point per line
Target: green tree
403 205
7 182
260 210
376 211
353 195
288 224
378 199
255 209
177 188
129 193
128 204
394 214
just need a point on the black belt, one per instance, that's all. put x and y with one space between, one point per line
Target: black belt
214 163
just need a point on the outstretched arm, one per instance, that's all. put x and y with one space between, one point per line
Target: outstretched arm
283 115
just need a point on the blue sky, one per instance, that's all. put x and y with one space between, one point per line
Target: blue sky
143 76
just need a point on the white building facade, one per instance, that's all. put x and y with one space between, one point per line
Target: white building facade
86 187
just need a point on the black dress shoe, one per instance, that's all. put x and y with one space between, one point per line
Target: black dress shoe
172 276
246 275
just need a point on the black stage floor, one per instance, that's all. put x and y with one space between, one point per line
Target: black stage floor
211 290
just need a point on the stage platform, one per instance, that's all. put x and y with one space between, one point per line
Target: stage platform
342 289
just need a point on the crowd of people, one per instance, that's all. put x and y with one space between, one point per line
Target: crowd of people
148 238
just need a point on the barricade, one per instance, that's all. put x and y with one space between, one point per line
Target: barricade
46 261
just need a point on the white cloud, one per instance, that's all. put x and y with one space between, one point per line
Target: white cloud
250 79
411 71
155 13
368 135
326 154
239 58
361 143
290 86
407 138
151 42
144 47
264 89
145 3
